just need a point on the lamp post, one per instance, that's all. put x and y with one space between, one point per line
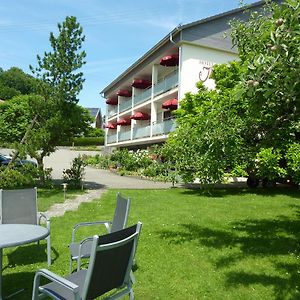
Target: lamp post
64 186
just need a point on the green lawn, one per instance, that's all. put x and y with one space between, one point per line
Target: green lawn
48 197
230 244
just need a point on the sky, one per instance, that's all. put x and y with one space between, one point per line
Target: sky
117 33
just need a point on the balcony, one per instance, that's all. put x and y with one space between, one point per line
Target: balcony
142 97
112 112
141 132
167 84
125 105
164 127
112 138
124 136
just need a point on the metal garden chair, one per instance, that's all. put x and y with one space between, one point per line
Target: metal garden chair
82 249
20 207
109 268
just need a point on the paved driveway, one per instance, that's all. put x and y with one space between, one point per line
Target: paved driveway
97 178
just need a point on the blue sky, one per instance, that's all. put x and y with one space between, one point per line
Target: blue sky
117 32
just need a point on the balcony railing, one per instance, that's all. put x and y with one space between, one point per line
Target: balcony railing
167 84
164 127
125 105
112 112
141 132
142 97
112 138
124 136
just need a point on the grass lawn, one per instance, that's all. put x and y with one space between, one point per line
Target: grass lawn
230 244
48 197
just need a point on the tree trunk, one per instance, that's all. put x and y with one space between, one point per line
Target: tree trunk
23 141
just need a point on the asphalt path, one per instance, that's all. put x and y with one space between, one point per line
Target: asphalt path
94 178
97 178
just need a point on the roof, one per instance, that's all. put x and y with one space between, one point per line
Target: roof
93 111
175 32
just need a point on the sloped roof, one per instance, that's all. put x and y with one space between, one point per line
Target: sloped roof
177 31
93 111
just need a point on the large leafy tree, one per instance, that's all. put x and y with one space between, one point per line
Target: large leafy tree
56 116
255 105
14 82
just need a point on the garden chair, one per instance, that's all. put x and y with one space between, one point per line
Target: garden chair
84 247
109 268
20 207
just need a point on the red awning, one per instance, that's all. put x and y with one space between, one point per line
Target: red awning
111 126
141 83
124 122
112 101
170 104
124 93
140 116
170 60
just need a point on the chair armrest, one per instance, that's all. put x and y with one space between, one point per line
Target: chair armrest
107 224
64 283
44 216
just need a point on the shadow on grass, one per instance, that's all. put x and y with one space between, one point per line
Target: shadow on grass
226 192
29 254
21 282
58 187
278 239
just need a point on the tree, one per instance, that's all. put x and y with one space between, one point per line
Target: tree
15 82
57 116
207 140
254 112
59 69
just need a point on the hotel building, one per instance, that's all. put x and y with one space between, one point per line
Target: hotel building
140 101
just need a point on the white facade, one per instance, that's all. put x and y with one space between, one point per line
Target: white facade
195 64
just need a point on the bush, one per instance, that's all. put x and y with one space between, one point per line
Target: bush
84 141
293 162
74 176
25 176
101 161
267 164
95 132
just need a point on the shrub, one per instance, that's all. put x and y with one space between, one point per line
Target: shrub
74 175
25 176
293 162
101 161
267 164
84 141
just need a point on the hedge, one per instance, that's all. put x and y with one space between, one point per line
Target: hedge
84 141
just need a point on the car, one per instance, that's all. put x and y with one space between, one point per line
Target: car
5 160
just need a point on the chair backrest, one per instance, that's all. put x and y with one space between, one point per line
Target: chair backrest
111 261
121 213
18 206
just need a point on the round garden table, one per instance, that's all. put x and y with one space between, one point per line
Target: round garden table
12 235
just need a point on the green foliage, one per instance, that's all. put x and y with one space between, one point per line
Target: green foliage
59 69
83 141
15 82
25 176
54 115
14 117
74 176
267 164
131 160
101 161
293 162
255 104
95 132
207 140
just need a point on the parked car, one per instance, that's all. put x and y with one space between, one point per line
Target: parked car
5 159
